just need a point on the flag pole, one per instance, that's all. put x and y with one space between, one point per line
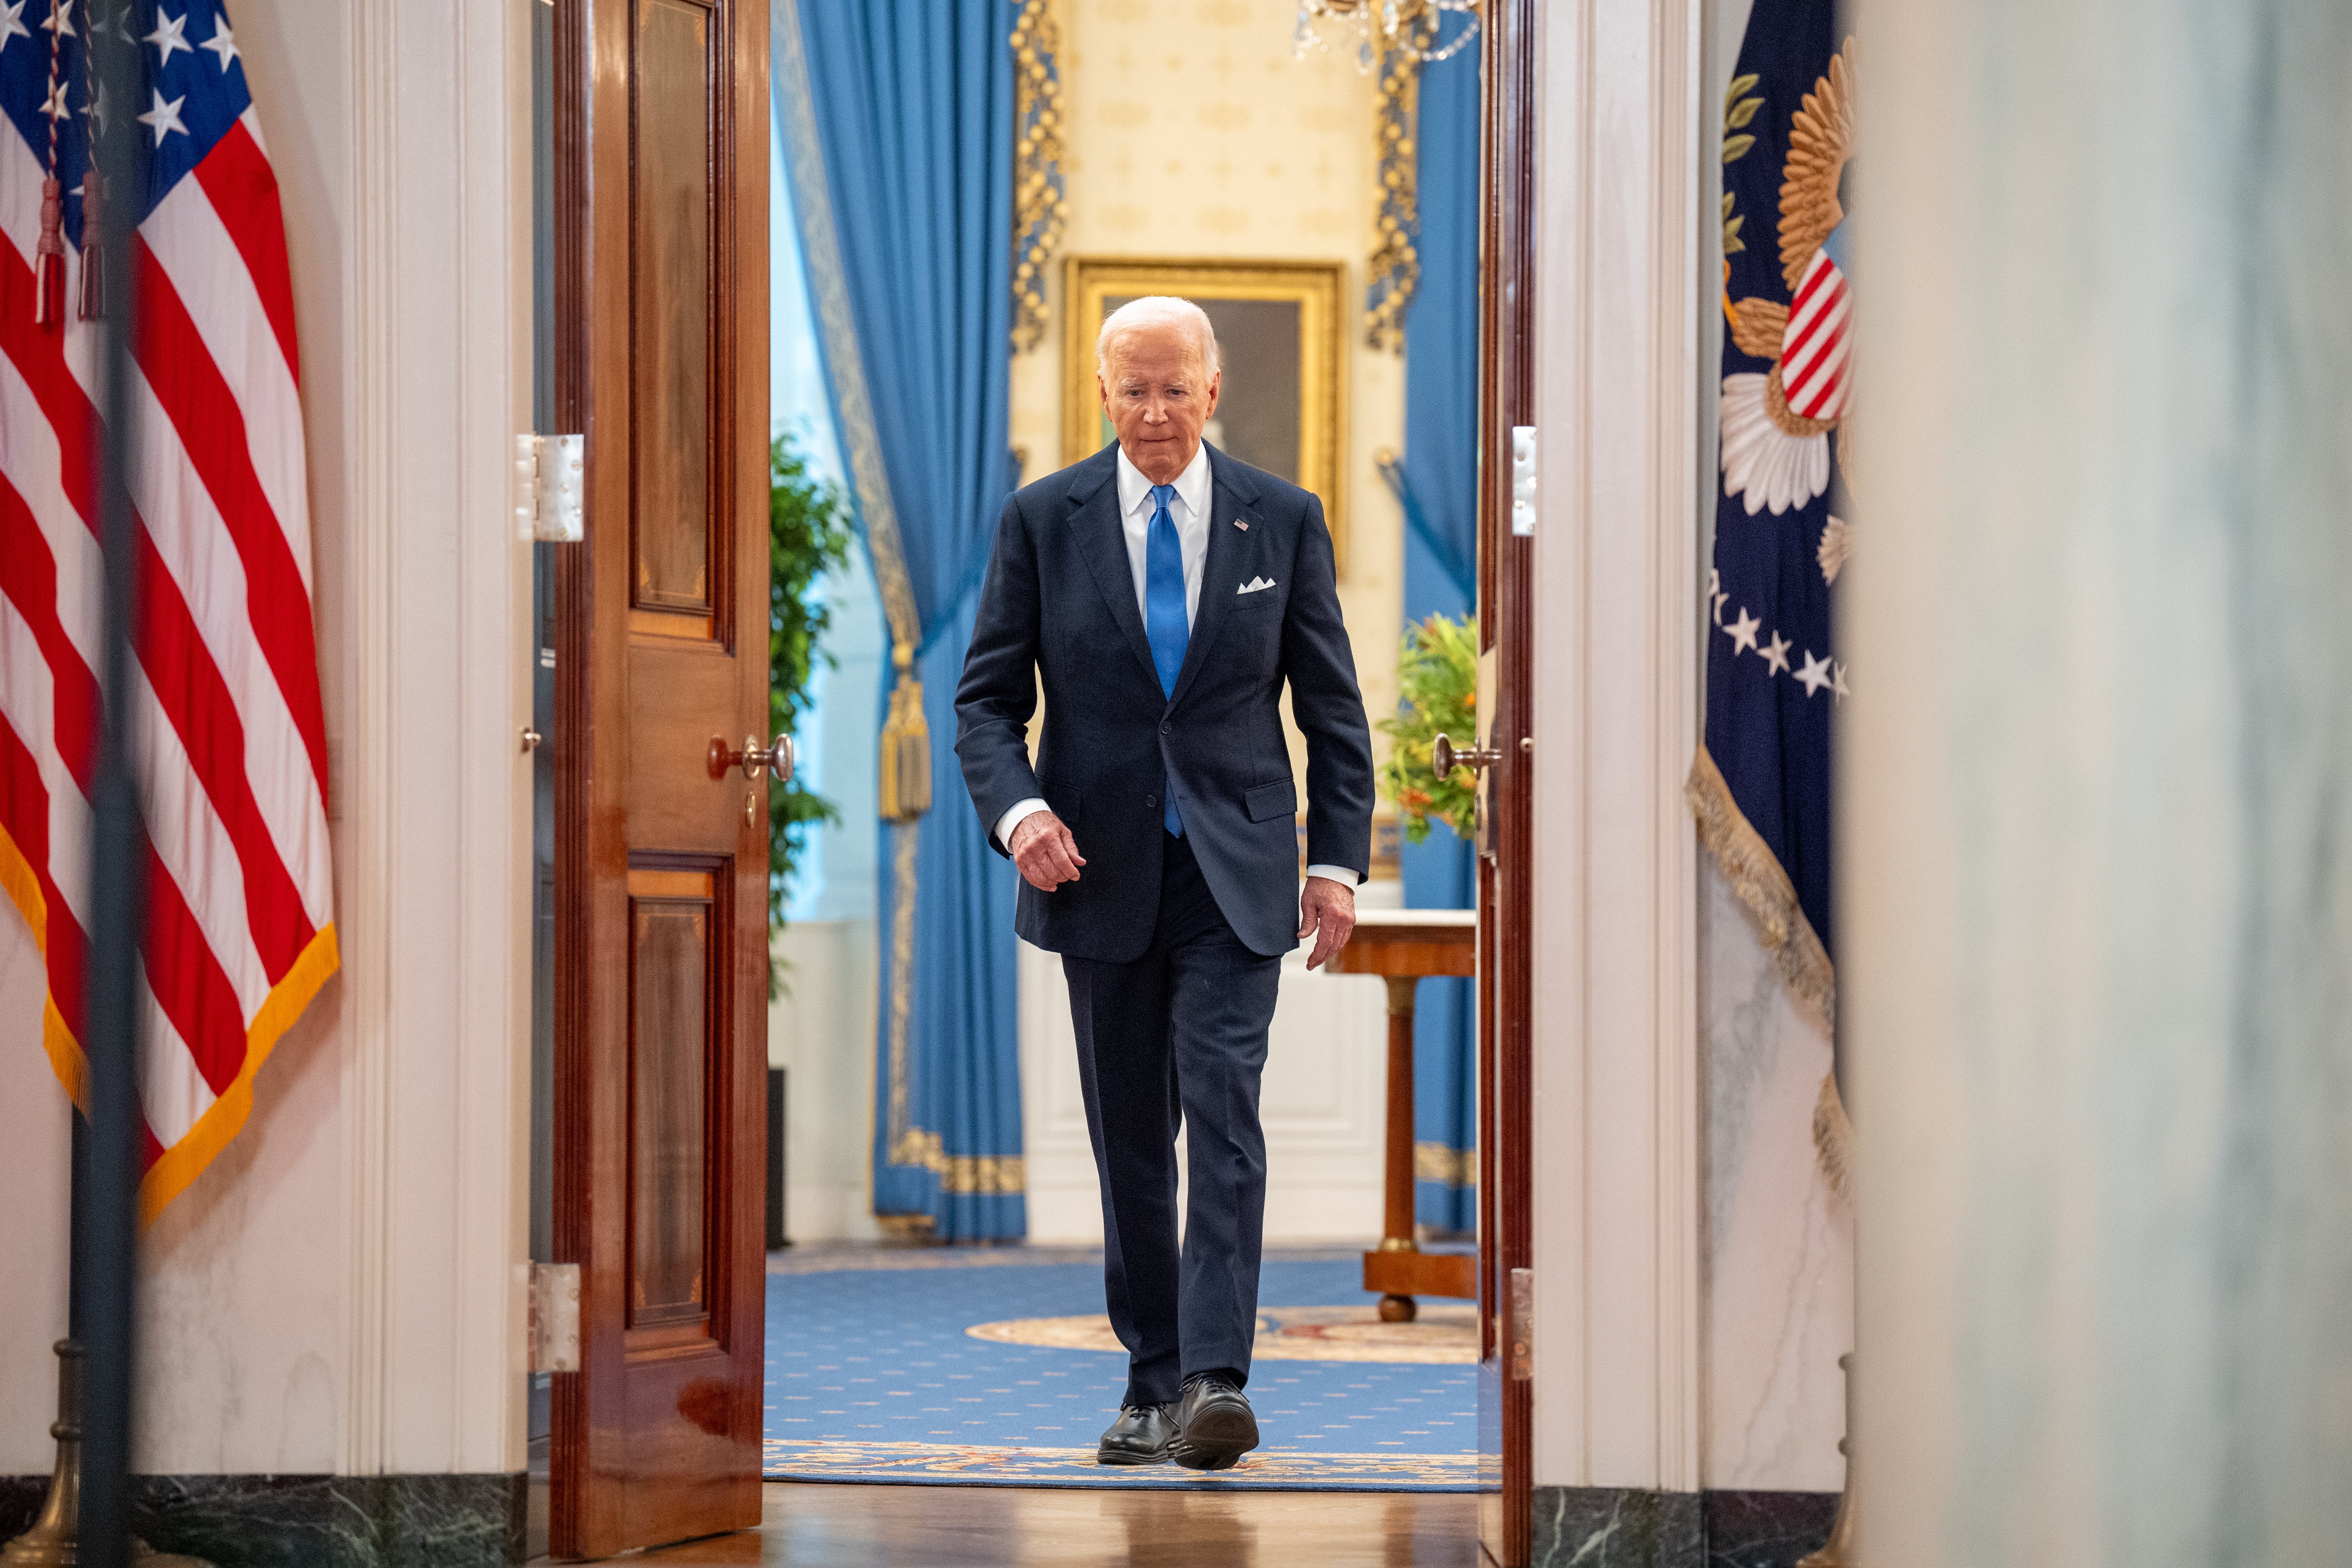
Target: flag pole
106 1206
89 1509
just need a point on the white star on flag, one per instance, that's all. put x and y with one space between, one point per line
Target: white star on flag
56 107
171 33
1815 675
60 21
98 109
164 118
1743 632
1839 684
10 25
1775 654
223 42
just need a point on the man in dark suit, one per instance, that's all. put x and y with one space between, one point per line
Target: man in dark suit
1164 593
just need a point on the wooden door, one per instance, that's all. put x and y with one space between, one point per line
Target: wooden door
660 162
1505 888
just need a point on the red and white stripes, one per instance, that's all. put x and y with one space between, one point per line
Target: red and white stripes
1813 347
226 706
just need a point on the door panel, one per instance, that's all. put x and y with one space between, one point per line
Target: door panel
670 1096
660 168
670 306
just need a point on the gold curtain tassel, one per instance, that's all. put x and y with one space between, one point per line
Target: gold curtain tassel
906 745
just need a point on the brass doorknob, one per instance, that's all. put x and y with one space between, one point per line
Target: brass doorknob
752 758
1445 757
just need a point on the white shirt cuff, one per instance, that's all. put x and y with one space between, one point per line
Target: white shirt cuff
1012 819
1343 875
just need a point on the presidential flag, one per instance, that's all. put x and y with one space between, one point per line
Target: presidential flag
223 700
1760 787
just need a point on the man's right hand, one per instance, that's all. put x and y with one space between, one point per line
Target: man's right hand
1043 849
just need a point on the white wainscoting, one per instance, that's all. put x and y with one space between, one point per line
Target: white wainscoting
1324 1107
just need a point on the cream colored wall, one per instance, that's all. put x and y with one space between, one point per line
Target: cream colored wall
1193 134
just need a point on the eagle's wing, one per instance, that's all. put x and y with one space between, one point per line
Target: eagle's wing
1821 139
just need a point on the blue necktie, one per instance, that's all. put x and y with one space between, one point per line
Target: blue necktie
1165 621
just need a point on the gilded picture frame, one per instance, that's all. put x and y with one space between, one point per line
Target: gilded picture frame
1278 328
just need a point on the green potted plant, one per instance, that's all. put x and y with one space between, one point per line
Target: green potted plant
808 536
1437 681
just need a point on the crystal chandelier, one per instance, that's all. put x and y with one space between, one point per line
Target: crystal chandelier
1410 26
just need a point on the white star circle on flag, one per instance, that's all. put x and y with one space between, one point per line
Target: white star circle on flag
171 33
164 118
1775 654
1743 632
1815 674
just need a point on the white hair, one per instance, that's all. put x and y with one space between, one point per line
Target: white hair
1157 310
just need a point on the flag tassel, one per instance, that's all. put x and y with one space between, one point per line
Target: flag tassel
906 760
49 259
92 305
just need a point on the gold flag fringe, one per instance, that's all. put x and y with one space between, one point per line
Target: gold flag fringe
1756 875
906 745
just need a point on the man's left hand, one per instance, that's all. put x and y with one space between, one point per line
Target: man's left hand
1327 911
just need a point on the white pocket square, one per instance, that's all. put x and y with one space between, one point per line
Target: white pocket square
1255 585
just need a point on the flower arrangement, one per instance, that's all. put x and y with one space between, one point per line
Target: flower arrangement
1437 676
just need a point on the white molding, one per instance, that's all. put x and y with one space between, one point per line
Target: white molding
1617 1144
437 914
369 504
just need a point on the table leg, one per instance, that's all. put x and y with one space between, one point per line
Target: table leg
1398 1231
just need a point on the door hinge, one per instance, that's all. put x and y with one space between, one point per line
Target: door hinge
1523 479
1523 1324
551 486
553 1327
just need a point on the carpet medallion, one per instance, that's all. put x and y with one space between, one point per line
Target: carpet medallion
1005 1375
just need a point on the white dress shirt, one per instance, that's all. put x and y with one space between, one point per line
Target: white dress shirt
1187 509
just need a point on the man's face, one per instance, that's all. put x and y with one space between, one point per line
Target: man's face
1159 393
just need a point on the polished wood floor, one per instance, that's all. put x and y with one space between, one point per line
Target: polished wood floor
1012 1527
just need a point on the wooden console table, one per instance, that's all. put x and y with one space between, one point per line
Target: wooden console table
1404 947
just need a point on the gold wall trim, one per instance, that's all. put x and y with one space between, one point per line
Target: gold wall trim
1315 287
1039 206
1396 254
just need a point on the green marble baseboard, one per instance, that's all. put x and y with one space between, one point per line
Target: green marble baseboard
1621 1527
316 1521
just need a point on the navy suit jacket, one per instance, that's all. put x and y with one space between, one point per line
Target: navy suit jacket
1059 603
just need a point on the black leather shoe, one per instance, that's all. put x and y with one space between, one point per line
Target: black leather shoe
1143 1435
1215 1425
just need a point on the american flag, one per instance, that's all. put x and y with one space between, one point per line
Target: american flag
224 706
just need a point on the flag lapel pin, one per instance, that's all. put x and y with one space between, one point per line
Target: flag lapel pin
1242 523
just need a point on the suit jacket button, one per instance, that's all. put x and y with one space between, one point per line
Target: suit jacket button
1151 800
1167 729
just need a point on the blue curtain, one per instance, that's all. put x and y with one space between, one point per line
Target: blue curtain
1438 488
898 121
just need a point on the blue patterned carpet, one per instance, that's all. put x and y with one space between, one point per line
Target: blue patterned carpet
871 1377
